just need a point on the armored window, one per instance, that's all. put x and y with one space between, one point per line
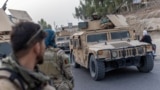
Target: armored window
97 37
120 35
82 25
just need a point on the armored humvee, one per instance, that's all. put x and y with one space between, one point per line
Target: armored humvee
107 44
62 40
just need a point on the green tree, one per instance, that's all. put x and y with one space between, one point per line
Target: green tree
101 7
44 24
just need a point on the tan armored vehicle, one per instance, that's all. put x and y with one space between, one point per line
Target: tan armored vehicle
62 40
6 22
108 44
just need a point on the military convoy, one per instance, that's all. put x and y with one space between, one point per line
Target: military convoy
107 44
101 45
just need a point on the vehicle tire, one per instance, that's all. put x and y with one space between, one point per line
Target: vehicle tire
97 69
75 65
146 63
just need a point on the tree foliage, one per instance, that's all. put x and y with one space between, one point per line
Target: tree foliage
44 24
101 7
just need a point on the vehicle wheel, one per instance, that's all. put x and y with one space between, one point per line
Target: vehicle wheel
97 69
146 63
75 65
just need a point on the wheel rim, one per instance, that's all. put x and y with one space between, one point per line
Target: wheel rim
92 68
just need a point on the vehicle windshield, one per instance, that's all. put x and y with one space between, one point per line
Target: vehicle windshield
120 35
60 39
97 37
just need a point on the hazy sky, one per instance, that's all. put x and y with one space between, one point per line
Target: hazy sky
60 11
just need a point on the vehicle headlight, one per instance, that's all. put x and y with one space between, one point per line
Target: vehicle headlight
140 50
100 52
103 54
114 54
149 48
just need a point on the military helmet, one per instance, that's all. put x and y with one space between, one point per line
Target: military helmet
95 13
95 16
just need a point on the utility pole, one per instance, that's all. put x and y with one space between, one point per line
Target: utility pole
4 7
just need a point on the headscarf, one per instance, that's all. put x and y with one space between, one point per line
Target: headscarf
145 33
50 39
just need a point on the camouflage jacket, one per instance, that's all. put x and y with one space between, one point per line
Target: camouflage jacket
56 65
15 77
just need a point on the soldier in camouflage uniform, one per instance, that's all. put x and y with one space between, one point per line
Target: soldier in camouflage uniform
18 71
56 64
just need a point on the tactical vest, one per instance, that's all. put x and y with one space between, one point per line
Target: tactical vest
26 80
52 64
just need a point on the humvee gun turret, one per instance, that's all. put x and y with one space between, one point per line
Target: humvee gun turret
108 44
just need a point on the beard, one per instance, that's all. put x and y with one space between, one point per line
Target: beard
40 59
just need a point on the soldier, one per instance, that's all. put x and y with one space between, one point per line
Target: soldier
134 34
95 16
17 71
56 64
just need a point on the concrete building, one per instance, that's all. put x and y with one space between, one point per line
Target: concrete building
69 28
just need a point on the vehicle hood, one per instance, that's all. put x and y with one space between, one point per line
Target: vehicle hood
115 45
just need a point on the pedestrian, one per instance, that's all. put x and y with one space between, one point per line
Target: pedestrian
18 71
56 64
134 35
146 37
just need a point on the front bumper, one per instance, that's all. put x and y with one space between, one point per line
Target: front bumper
123 53
121 63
